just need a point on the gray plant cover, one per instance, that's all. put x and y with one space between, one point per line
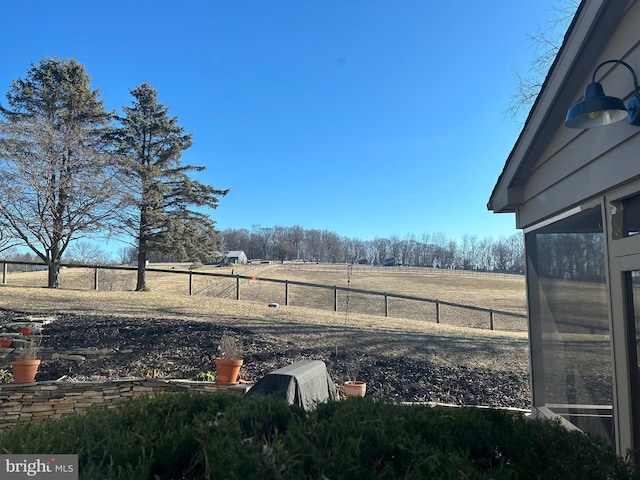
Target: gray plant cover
305 383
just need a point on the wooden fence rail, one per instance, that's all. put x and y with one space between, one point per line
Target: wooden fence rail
286 285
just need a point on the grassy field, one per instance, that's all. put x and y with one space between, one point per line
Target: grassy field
489 291
448 343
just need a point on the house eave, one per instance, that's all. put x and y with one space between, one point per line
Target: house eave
584 42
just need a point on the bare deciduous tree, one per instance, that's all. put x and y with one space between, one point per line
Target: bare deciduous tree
505 254
57 177
7 242
87 253
546 42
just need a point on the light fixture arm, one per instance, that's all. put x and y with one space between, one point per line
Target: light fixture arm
629 67
596 108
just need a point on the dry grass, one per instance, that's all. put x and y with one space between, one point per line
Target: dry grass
500 292
497 292
168 297
38 300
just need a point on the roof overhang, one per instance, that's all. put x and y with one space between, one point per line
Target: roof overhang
584 42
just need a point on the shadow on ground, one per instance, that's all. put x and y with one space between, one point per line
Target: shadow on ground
400 366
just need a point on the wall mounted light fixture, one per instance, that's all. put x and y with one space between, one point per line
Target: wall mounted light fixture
597 109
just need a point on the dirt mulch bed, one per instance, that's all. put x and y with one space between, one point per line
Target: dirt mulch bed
105 347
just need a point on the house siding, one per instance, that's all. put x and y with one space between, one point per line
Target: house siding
552 169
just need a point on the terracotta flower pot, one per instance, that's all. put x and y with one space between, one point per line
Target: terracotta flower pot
26 331
5 342
355 388
227 371
24 371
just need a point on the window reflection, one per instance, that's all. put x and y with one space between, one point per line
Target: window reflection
568 308
633 316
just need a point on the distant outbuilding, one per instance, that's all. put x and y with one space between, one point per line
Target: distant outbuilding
391 262
236 256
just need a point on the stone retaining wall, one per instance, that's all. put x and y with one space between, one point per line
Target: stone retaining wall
40 401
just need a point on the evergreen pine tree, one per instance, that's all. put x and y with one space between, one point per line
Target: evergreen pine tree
160 195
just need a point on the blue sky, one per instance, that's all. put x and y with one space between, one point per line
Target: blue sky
368 118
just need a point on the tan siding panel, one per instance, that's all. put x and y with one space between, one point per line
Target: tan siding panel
590 146
613 168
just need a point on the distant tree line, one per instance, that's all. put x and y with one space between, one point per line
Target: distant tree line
428 250
571 256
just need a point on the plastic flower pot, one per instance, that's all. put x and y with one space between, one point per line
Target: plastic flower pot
227 371
6 342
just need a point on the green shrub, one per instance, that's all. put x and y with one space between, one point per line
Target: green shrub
5 376
226 436
207 376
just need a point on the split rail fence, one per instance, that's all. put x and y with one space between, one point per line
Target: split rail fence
516 321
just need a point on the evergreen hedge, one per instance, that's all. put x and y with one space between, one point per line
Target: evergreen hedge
202 436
